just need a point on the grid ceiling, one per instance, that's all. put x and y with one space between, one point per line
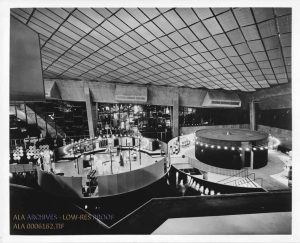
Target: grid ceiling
216 48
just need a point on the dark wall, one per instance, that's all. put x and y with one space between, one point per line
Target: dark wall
280 118
260 158
213 116
229 159
226 159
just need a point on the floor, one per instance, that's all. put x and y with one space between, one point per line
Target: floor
275 166
261 223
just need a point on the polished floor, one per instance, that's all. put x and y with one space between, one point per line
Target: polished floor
261 223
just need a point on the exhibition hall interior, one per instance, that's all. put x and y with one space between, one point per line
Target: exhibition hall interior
150 121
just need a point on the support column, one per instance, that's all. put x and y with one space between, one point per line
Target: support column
252 116
90 110
175 115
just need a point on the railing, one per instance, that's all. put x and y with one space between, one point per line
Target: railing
168 207
242 172
75 138
16 142
245 180
231 173
20 142
241 181
20 168
182 177
257 179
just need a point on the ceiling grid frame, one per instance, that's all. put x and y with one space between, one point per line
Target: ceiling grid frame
215 70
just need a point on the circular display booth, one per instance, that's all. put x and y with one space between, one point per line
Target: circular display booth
103 167
232 148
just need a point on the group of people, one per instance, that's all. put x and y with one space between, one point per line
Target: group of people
46 162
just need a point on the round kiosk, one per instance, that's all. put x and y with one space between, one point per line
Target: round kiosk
232 148
103 167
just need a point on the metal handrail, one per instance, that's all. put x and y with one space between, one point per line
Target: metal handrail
246 169
235 180
261 181
249 181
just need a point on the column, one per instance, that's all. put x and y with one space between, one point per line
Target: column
175 115
244 146
90 110
252 116
252 159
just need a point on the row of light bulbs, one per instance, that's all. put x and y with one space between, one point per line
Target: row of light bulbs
231 147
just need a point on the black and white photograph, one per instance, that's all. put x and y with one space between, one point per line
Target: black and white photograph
150 121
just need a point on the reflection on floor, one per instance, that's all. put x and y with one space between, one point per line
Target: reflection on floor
261 223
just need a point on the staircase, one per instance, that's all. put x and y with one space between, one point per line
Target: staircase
52 129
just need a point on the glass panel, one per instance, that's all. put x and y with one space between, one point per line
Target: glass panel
133 119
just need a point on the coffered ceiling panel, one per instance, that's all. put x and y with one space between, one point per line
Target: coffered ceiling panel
221 48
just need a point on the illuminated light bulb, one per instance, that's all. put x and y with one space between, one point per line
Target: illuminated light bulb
212 192
247 149
232 148
85 206
254 148
240 148
225 147
218 147
266 147
218 193
197 143
212 146
261 148
206 192
193 184
201 189
181 183
206 145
